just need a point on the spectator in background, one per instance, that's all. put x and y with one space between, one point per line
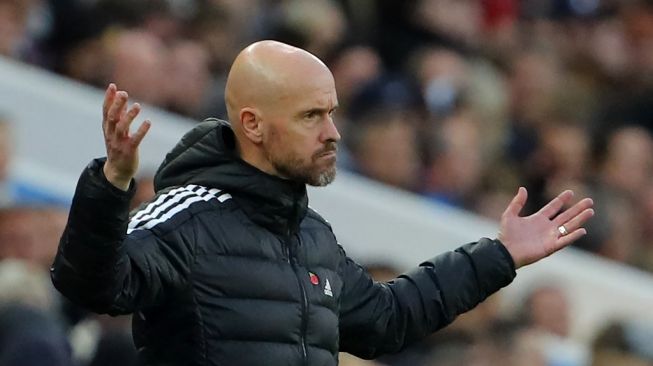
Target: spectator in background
18 36
515 344
102 340
222 28
385 148
637 17
13 24
534 77
29 304
562 157
315 25
443 76
30 233
29 332
353 68
140 60
546 312
383 141
628 164
625 171
617 344
188 79
455 169
87 60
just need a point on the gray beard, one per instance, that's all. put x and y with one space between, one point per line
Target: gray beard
294 171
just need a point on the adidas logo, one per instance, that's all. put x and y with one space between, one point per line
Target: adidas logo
327 289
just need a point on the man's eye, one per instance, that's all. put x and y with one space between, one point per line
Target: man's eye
311 115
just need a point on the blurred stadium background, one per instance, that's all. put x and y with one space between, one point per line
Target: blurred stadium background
447 106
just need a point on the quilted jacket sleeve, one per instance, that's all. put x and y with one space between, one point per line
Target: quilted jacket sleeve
378 318
100 267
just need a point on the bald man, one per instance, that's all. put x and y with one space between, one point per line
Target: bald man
228 265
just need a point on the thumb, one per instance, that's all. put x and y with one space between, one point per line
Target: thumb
517 202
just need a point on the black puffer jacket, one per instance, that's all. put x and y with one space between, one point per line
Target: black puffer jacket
228 266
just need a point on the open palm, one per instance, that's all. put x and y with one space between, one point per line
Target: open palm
531 238
121 146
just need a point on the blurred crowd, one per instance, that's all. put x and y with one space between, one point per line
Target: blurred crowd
460 101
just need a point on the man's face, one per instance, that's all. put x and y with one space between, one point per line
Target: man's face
301 139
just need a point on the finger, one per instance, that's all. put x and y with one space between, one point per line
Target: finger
141 132
123 110
517 202
119 99
120 125
115 110
556 204
566 240
573 211
579 220
109 97
127 118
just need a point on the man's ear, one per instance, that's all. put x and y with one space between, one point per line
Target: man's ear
250 119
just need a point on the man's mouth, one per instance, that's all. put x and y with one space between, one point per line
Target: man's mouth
328 154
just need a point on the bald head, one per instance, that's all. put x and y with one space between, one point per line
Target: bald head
267 71
280 100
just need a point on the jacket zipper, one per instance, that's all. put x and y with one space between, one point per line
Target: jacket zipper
302 290
286 252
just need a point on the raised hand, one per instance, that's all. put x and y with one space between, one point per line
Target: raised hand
531 238
122 148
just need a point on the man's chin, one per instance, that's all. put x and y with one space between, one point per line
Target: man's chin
317 175
323 179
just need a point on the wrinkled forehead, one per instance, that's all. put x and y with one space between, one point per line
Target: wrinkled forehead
309 95
309 83
306 82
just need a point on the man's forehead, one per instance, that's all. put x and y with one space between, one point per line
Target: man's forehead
301 85
312 95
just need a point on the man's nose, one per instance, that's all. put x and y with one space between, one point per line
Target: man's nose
330 132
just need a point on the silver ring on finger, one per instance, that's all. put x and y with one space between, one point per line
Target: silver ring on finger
562 230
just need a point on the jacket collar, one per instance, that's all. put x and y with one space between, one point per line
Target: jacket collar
206 156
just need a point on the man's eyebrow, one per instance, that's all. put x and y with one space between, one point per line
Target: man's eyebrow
314 110
318 110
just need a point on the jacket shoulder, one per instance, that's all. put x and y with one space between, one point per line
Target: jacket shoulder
172 207
315 218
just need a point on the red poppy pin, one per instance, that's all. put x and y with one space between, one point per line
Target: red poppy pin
314 278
